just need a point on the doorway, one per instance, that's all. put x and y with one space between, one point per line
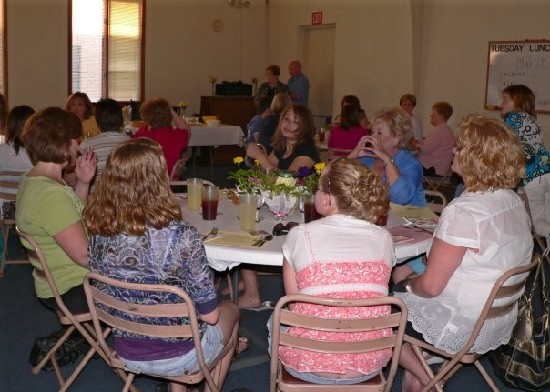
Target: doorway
318 54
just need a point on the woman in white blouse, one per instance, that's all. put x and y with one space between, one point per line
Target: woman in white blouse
480 235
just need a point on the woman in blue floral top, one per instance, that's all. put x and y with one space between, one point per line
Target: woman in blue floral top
518 110
138 236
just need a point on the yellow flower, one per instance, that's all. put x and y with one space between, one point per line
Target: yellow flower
319 167
212 79
256 162
183 104
238 160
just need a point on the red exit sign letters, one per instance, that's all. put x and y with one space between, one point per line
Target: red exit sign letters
316 18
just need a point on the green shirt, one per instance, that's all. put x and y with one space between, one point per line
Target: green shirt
43 209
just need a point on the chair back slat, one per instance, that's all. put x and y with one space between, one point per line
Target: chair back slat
144 310
156 331
341 325
323 346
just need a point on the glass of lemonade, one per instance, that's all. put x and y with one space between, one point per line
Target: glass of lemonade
247 211
194 186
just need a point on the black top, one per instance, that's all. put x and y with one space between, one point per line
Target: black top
307 150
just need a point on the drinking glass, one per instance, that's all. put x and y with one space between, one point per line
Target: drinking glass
310 212
210 198
247 211
194 186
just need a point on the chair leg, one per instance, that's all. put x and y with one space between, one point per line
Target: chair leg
486 376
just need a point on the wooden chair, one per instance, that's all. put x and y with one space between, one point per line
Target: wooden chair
9 181
433 183
436 201
334 153
107 309
80 322
453 362
281 380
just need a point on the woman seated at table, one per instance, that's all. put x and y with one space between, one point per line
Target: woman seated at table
79 104
13 156
385 152
49 210
292 144
158 117
139 236
292 149
348 133
326 253
480 235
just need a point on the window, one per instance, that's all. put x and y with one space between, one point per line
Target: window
106 48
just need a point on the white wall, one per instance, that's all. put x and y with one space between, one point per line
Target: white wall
455 46
436 49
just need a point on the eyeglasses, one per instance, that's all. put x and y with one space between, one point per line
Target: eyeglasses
281 229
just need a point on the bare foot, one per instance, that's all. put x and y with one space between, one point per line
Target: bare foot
410 383
249 302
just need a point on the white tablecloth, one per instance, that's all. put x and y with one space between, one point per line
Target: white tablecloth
221 135
203 135
222 258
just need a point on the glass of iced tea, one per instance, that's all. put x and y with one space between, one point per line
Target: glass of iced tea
210 197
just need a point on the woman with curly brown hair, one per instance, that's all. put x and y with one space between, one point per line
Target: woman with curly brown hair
138 235
480 235
325 255
163 125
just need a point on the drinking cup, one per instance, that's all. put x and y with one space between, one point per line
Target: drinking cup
310 212
382 220
194 186
210 198
247 211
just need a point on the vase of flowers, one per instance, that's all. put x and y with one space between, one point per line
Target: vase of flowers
278 190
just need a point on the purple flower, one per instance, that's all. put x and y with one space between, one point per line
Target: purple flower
304 171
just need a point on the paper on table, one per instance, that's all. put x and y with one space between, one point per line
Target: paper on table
232 238
401 238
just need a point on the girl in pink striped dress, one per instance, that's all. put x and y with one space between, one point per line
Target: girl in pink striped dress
343 255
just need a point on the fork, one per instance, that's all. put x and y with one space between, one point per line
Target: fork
264 240
213 232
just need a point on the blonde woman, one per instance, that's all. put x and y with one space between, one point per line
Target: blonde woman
138 235
352 199
480 235
79 104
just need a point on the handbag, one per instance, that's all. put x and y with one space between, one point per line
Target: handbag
525 361
65 355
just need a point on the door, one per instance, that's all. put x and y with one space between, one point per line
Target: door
319 43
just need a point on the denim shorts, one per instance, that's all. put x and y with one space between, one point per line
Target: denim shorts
212 346
417 265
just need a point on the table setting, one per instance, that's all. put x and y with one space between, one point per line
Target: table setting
242 227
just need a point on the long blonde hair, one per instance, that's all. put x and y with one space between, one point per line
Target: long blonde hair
133 192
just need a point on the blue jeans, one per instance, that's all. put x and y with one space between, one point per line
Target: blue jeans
212 346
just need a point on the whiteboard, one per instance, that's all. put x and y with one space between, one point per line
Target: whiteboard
518 62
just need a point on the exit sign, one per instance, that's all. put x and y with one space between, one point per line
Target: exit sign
316 18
